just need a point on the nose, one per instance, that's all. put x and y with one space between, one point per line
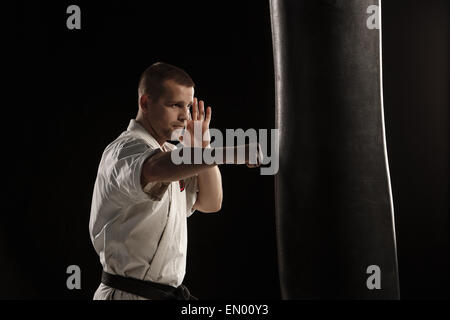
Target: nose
184 114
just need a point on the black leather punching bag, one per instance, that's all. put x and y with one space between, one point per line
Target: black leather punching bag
335 219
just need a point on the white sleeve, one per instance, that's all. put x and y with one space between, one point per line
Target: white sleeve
126 172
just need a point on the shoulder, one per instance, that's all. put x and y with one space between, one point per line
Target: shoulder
126 146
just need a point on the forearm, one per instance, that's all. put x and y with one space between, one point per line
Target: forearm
161 167
209 197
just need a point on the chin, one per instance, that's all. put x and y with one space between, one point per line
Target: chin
175 134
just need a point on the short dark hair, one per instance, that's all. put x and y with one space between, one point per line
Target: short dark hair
152 79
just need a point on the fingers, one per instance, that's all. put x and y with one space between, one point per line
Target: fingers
198 111
201 108
195 109
208 115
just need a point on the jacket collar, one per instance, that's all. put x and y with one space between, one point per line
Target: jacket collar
137 129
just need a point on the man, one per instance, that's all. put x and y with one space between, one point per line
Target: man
141 199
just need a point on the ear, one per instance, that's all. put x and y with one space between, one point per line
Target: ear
144 103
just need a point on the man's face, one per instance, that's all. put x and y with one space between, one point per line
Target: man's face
171 111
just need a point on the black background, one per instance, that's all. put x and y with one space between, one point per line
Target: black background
73 91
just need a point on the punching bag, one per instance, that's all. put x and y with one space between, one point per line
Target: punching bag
334 209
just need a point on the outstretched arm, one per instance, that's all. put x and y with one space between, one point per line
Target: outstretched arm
160 166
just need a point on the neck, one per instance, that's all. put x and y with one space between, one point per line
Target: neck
147 126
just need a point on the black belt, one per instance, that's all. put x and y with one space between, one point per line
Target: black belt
147 289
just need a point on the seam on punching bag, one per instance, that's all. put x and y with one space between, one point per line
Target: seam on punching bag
386 158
